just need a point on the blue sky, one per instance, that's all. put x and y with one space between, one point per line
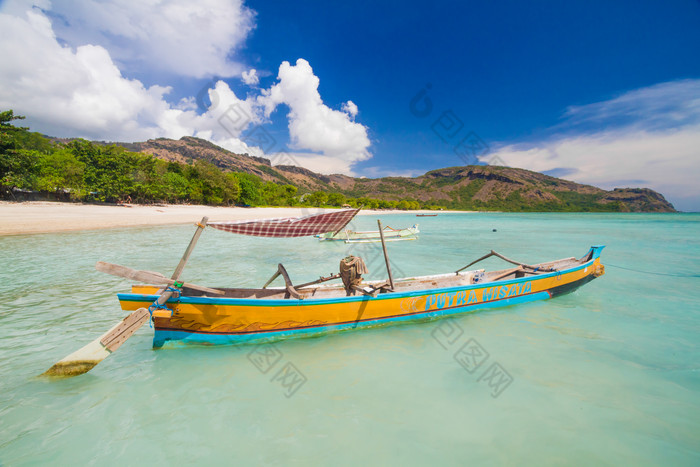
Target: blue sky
604 93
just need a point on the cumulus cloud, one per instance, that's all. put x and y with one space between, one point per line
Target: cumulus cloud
71 90
251 77
349 108
313 126
646 137
81 91
224 123
177 36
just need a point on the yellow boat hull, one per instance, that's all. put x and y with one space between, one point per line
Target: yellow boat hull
237 320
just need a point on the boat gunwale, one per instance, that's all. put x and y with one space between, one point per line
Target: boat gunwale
378 321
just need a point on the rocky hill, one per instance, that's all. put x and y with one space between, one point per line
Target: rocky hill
469 187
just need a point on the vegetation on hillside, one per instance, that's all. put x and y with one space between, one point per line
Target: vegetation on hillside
81 170
84 171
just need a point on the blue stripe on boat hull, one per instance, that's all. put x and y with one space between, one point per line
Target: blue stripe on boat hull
162 336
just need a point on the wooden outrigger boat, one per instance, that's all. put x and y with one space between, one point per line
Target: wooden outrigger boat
371 236
189 313
258 315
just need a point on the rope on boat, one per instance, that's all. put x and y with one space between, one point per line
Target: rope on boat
651 272
175 290
157 306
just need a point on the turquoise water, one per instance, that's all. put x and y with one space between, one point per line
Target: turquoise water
609 374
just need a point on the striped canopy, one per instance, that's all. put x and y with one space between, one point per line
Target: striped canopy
289 226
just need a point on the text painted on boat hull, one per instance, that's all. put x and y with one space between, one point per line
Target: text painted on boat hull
469 297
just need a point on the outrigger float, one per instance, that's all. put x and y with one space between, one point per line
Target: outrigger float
189 313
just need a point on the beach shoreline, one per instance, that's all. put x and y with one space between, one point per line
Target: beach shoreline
34 217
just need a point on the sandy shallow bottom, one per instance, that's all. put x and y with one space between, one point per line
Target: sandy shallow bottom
43 217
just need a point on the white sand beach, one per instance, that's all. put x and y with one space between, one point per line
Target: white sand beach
43 217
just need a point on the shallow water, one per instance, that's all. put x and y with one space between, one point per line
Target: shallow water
608 374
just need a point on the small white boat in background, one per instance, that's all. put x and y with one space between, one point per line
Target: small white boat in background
371 236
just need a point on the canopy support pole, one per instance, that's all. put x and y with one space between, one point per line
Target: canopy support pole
386 256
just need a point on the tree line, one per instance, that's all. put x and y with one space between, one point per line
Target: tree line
84 171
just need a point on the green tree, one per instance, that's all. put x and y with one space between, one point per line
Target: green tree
272 194
290 192
336 199
8 131
34 141
209 185
176 186
60 169
17 168
109 171
367 203
250 189
317 198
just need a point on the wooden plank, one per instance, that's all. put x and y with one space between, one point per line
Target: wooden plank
124 330
148 277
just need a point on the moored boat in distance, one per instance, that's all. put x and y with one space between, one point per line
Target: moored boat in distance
426 215
371 236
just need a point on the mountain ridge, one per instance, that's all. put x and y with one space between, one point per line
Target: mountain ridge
473 187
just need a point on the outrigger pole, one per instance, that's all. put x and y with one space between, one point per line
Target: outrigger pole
86 358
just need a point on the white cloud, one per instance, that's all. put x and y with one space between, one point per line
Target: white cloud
178 36
664 105
64 90
313 126
349 108
647 137
80 91
251 77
